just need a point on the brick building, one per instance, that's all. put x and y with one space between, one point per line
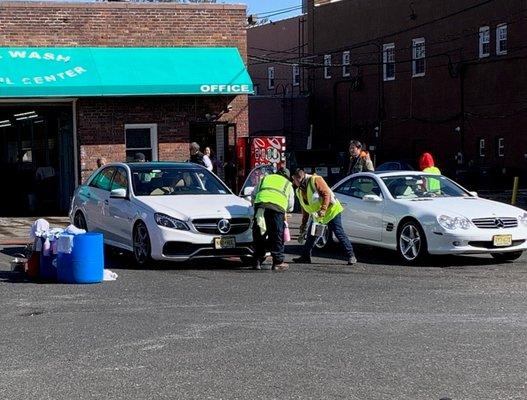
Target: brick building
56 119
405 77
280 103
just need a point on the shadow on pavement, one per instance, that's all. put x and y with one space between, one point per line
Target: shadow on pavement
379 256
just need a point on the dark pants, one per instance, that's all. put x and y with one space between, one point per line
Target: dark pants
335 226
273 240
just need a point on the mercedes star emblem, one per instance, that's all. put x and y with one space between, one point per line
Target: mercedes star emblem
224 226
499 223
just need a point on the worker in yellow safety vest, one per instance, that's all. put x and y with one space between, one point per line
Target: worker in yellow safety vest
273 197
318 200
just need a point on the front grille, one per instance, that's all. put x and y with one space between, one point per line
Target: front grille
495 222
210 225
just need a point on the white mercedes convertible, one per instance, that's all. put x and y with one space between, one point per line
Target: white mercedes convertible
418 214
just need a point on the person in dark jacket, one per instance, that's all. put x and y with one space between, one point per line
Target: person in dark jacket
196 156
359 159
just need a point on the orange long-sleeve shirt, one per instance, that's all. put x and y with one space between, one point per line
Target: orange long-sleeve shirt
323 191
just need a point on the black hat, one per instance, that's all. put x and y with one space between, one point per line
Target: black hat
139 157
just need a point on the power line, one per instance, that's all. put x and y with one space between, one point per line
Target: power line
374 40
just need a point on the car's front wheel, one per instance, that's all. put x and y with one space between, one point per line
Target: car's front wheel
141 244
411 243
513 255
79 221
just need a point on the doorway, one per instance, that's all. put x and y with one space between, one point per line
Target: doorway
37 158
221 138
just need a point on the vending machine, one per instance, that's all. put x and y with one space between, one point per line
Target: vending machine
259 150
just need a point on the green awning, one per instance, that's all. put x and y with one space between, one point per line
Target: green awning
123 71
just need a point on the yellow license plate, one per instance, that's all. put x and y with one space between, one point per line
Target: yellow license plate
225 242
502 240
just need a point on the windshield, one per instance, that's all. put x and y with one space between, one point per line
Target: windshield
422 186
256 176
169 181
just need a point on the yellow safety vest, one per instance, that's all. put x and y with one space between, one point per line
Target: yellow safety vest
314 204
433 185
274 189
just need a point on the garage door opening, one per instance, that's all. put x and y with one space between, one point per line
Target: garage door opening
36 144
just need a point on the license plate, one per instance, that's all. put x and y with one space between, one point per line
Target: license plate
225 242
502 240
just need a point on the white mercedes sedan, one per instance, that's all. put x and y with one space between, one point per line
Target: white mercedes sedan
418 214
164 211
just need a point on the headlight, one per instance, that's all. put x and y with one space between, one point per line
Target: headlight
523 219
453 222
169 222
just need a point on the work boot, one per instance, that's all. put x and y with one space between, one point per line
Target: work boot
280 267
259 262
302 260
352 260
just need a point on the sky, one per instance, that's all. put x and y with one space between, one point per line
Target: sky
267 6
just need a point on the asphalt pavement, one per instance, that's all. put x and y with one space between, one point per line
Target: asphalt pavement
455 329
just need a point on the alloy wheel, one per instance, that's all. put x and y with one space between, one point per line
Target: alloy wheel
410 242
141 244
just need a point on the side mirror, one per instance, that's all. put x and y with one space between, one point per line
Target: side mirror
118 194
372 198
248 191
475 194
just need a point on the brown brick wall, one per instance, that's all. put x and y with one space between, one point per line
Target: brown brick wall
422 113
100 122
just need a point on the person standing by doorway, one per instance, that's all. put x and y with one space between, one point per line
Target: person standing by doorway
273 197
318 200
207 159
101 161
359 159
196 156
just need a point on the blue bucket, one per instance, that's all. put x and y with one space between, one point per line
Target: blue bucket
47 271
85 264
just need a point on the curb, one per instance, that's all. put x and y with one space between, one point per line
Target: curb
14 241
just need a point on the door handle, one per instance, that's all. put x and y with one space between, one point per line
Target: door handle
105 201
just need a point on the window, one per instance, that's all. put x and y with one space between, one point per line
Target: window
482 147
327 66
346 64
388 59
296 75
120 180
418 57
501 39
102 179
500 147
141 138
484 41
270 78
359 187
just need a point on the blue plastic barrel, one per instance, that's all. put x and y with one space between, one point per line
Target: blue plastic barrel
85 264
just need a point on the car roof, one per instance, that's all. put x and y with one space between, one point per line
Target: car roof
392 173
154 164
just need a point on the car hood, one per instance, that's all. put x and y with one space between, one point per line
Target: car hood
187 207
469 207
